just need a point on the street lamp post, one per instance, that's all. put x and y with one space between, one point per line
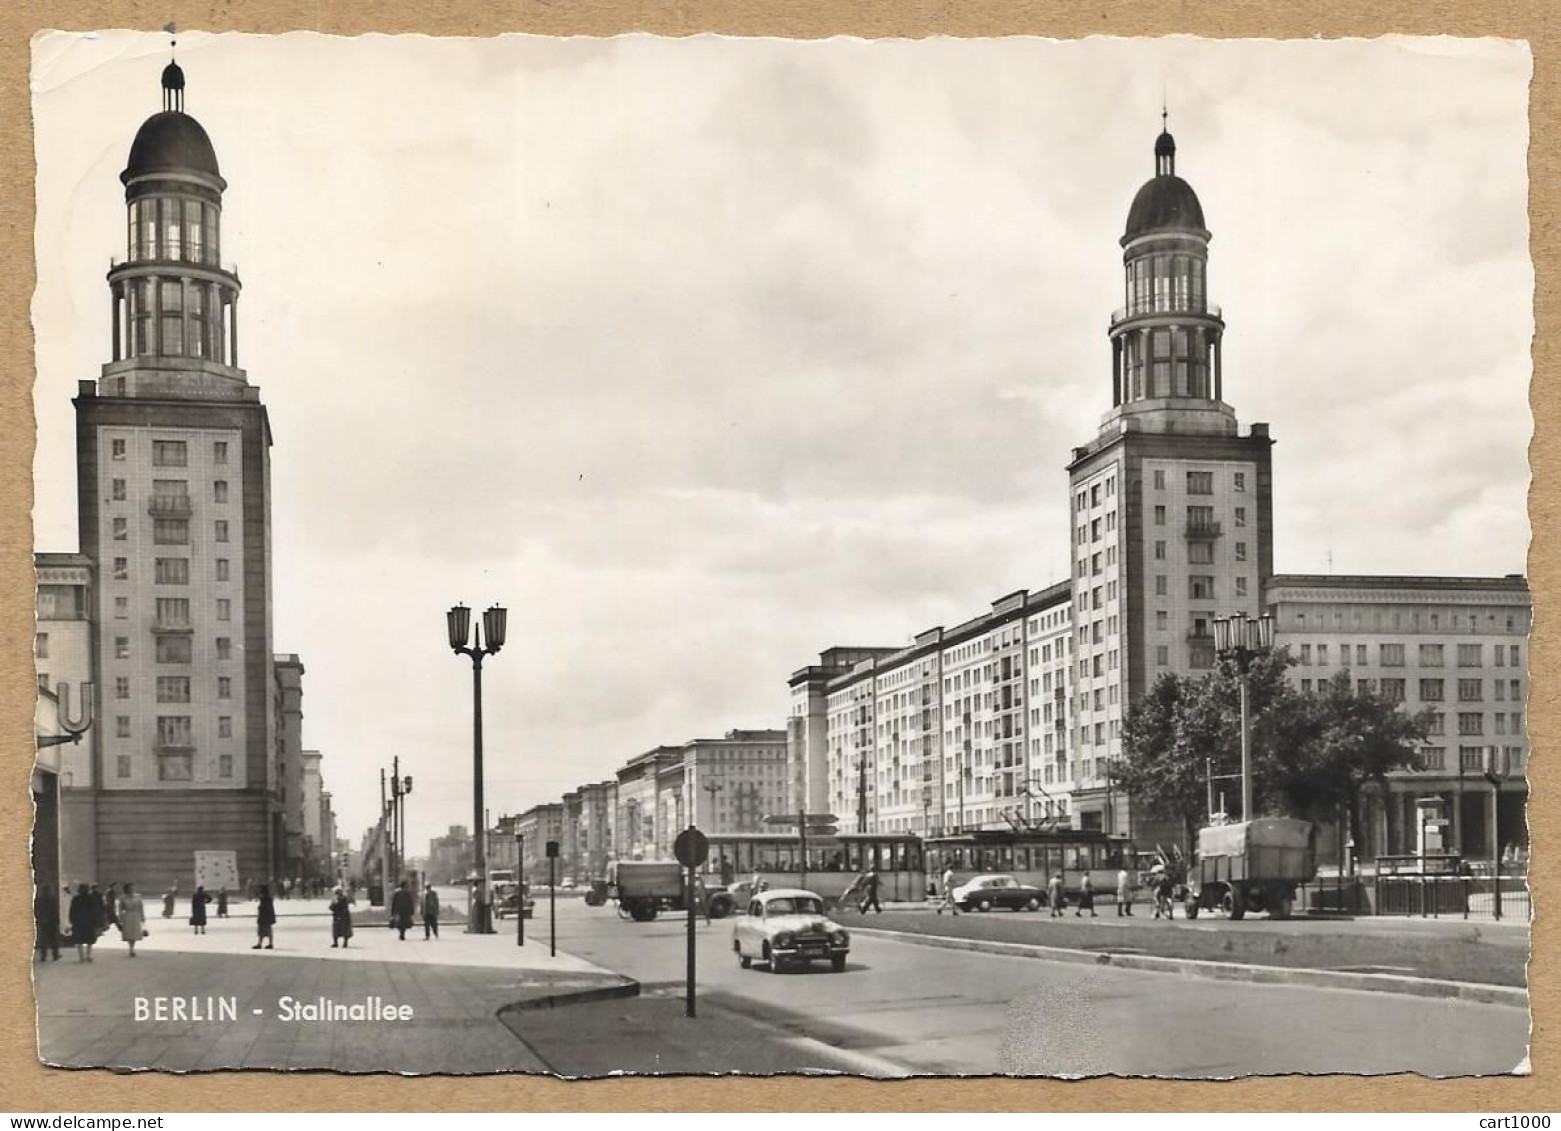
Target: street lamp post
1243 639
460 626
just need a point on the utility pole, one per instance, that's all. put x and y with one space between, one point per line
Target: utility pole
712 788
861 790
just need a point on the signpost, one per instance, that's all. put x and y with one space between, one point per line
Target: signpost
691 849
552 906
520 889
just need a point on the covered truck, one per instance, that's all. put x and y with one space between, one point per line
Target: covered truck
645 888
1251 866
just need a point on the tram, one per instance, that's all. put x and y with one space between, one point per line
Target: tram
1034 856
825 865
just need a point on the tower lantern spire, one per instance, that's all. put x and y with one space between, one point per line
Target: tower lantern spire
173 80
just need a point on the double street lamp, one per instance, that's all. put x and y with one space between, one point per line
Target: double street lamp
461 630
1242 639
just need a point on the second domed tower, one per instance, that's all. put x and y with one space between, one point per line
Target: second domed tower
1165 338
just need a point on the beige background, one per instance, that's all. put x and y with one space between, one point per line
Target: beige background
27 1086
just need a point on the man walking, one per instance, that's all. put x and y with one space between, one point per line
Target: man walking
948 892
46 916
1054 895
1086 898
401 910
870 892
431 913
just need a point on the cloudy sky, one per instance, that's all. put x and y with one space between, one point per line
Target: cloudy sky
704 355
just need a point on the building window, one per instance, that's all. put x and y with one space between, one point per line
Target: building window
1159 516
1200 588
1513 654
1471 722
41 646
1431 690
1436 723
121 687
224 726
1470 690
174 767
224 609
1160 585
171 531
222 569
1306 655
1470 655
1200 482
121 647
219 451
224 687
1433 757
1241 481
1159 551
1360 655
121 608
1364 686
171 571
1392 690
224 765
1200 654
219 491
1162 620
1392 655
121 726
1241 516
121 569
122 765
221 530
1241 587
173 649
1306 687
173 612
1200 553
121 529
117 449
1430 655
117 490
170 453
173 689
1241 551
1159 479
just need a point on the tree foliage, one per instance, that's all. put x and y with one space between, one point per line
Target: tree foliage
1311 753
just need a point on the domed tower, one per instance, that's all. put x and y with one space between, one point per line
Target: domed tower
174 303
173 500
1165 339
1171 504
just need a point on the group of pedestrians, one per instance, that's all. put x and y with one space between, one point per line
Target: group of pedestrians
89 913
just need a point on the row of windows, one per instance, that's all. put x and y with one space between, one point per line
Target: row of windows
174 649
170 453
174 531
1379 619
168 491
1430 655
1199 553
1200 482
173 767
172 227
1095 493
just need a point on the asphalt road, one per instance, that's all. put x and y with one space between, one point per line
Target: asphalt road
939 1011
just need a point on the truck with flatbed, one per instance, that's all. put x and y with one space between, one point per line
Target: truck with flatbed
645 888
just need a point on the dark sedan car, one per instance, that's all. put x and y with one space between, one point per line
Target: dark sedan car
986 892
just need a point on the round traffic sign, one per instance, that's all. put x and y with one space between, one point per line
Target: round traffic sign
692 847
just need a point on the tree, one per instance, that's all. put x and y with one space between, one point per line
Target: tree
1311 754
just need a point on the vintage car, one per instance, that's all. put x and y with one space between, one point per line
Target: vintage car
787 926
982 893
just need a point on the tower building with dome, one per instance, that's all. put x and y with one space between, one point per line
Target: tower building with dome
1013 718
173 482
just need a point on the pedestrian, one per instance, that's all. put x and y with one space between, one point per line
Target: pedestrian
83 923
1124 892
341 920
948 892
99 911
222 903
132 918
701 897
168 897
111 905
1165 889
431 911
265 920
401 910
870 892
198 903
727 874
46 920
1086 898
1054 896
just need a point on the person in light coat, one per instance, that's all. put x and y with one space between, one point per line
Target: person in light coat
1124 892
132 918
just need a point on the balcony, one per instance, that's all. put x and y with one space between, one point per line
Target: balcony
1166 309
170 627
1196 637
173 745
171 506
1203 528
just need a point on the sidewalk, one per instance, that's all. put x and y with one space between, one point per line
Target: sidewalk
454 987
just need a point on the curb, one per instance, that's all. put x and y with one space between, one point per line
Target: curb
625 987
1477 992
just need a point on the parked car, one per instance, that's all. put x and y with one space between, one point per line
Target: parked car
787 926
982 893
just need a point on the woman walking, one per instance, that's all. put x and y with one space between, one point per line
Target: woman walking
1086 898
341 919
132 918
198 903
111 905
222 903
83 923
265 919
